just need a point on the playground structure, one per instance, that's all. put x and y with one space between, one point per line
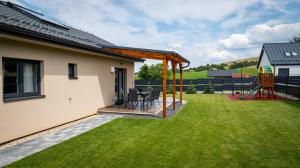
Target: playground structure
266 82
263 86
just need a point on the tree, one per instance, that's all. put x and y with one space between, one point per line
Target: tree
296 39
153 72
156 72
144 72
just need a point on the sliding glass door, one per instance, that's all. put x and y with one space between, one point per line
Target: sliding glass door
120 85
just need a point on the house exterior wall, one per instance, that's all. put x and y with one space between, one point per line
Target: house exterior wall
294 70
264 60
65 100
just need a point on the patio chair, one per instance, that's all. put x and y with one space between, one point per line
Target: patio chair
125 95
153 97
133 97
157 96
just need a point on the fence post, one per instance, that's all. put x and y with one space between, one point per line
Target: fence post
286 85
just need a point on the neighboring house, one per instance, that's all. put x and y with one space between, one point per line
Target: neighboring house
51 74
221 73
284 57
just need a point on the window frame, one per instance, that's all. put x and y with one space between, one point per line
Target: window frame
283 72
75 71
20 82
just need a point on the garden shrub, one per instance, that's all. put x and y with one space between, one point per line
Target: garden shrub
191 89
209 88
169 89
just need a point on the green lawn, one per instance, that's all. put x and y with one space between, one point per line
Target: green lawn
192 75
210 131
251 70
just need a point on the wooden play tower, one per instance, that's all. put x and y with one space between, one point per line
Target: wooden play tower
266 82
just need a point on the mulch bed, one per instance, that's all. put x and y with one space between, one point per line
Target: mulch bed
253 97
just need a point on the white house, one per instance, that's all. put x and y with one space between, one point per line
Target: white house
284 57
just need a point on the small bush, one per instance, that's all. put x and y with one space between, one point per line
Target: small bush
169 89
191 89
209 89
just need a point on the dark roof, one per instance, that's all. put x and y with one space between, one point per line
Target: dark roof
221 73
15 19
276 53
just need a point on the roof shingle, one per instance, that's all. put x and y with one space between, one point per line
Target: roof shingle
276 53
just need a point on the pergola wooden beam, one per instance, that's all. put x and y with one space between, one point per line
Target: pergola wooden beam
165 56
147 54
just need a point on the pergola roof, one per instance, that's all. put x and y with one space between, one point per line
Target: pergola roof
147 53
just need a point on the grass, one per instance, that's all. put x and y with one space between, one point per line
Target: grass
251 70
192 75
210 131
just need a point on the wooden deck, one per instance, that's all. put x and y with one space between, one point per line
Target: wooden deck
154 110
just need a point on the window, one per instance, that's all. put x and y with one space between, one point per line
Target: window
294 54
21 78
288 54
283 72
73 71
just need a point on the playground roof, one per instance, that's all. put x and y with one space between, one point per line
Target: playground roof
281 53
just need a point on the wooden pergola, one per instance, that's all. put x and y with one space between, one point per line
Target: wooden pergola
165 56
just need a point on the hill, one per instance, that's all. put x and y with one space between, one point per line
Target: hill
241 63
242 60
251 59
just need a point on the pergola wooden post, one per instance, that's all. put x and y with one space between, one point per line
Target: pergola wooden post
164 86
165 56
174 84
180 82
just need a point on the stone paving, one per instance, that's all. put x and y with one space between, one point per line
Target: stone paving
17 152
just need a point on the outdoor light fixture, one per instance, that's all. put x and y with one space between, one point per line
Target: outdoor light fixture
112 69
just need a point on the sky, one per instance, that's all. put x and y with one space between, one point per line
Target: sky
203 31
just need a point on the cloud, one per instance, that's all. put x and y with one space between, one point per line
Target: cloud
235 41
259 34
280 32
170 10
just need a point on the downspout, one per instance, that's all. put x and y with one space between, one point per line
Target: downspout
186 65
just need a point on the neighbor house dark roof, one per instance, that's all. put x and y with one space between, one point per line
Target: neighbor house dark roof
18 20
221 73
281 53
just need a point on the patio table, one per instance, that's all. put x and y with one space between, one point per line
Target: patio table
144 96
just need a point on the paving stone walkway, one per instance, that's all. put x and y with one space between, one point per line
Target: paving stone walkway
17 152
